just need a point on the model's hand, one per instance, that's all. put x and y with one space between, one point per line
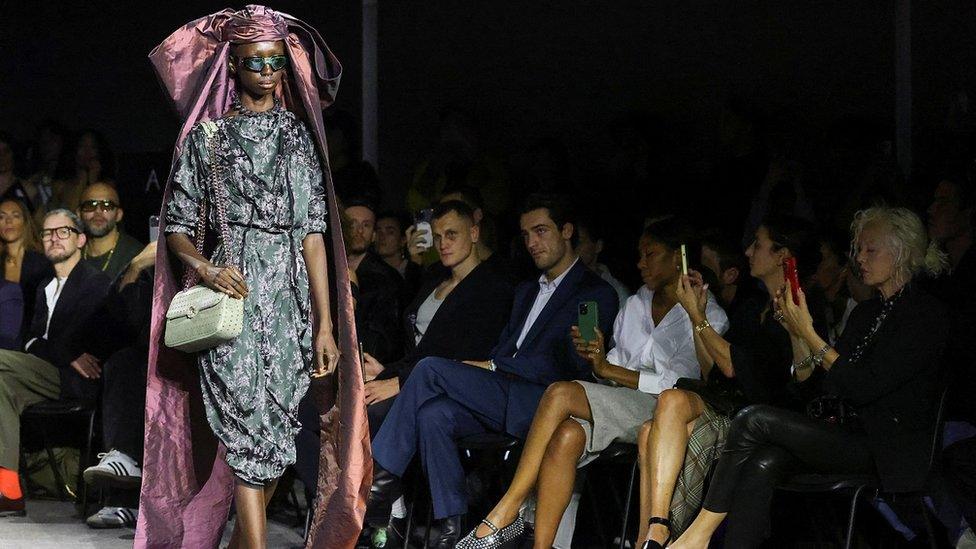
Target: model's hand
227 279
326 353
592 351
87 366
382 389
371 367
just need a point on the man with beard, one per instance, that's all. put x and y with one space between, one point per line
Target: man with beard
445 400
55 363
107 249
380 286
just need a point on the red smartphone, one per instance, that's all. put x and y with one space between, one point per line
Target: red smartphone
789 273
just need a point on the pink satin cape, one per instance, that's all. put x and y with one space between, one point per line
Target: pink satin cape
187 488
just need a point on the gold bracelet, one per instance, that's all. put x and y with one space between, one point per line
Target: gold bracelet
701 326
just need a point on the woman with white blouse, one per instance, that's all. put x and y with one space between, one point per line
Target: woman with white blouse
576 420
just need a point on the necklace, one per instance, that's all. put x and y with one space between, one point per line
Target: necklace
111 252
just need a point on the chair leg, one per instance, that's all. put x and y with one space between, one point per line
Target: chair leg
309 511
627 501
850 520
929 530
409 528
86 462
62 491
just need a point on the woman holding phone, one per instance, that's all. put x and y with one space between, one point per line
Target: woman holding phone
751 363
576 420
886 368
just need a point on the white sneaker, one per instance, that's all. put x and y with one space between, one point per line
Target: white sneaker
114 468
113 517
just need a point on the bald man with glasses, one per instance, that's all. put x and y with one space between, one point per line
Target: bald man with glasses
107 247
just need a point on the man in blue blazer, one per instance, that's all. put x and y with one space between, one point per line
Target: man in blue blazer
445 400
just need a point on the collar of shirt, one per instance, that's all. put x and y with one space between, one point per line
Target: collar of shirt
548 287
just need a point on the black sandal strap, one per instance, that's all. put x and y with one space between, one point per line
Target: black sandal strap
659 520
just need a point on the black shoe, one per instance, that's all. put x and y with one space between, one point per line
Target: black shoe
650 544
448 532
385 490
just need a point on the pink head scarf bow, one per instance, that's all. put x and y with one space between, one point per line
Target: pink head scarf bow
187 487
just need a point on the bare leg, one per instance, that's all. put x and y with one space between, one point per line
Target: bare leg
266 493
556 478
561 400
700 532
661 446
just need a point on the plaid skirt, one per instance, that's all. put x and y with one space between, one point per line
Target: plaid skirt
704 447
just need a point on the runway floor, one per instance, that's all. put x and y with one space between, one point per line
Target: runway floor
56 525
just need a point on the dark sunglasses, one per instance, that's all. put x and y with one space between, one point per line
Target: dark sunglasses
256 64
62 232
88 206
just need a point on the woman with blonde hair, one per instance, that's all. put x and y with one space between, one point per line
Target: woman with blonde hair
880 387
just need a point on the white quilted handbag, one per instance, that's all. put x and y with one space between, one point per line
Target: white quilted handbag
199 318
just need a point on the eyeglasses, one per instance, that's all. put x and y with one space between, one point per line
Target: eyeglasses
88 206
62 232
256 64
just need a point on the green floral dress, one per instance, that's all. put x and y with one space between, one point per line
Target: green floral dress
252 385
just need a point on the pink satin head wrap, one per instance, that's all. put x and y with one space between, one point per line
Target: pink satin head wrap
187 487
254 24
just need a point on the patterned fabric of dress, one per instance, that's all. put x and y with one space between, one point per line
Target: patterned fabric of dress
252 385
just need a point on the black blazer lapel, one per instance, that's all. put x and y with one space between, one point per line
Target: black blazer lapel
64 309
566 289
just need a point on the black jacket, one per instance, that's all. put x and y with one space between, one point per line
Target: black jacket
896 384
465 327
378 308
80 298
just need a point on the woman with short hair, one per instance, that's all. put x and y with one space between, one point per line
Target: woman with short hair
880 384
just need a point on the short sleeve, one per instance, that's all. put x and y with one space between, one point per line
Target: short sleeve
183 207
317 210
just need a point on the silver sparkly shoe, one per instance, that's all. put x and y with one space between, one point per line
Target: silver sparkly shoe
497 537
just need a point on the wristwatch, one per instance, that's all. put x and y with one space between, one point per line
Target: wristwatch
491 365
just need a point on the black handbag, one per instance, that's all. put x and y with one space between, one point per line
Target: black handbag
720 393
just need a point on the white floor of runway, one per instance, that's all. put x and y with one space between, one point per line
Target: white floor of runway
55 525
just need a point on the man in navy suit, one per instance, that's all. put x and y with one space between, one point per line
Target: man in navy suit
445 400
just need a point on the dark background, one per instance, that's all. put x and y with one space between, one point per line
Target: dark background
815 72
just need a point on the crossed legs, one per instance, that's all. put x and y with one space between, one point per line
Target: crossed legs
552 450
661 446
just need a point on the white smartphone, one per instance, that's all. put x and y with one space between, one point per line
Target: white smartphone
684 260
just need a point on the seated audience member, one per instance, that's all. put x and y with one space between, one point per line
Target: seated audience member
444 400
55 363
391 246
422 255
123 337
457 315
950 224
832 281
108 249
11 186
11 314
23 260
886 368
751 364
590 248
725 271
380 287
576 420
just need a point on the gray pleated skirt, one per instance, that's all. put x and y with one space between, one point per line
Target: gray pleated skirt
618 413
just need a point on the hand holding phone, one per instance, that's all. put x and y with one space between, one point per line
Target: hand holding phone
422 223
792 278
588 318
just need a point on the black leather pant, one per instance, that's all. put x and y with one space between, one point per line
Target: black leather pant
765 444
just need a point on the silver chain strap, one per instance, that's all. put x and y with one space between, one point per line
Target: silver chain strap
215 182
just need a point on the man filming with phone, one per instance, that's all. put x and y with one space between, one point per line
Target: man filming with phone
445 400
